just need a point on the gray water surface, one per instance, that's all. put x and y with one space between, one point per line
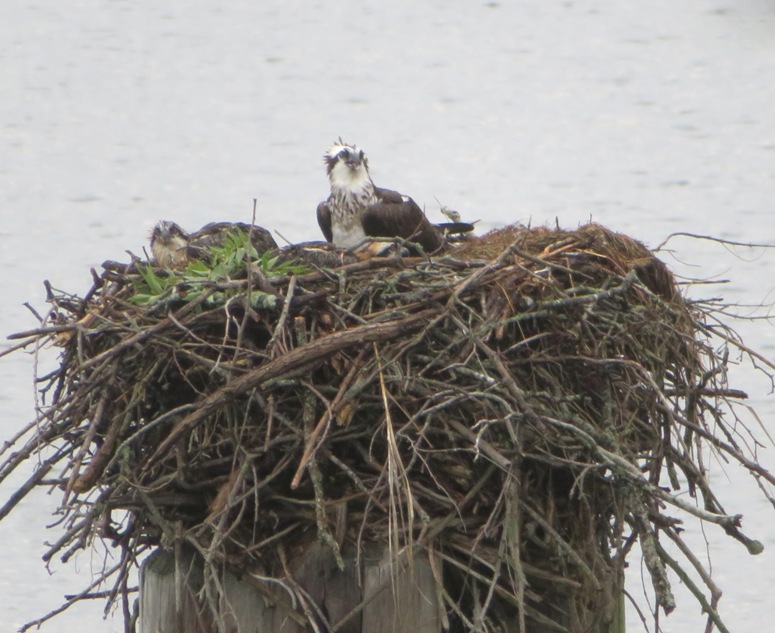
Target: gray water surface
649 118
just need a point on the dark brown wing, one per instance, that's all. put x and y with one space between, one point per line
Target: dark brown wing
214 234
399 216
388 195
324 220
260 238
315 254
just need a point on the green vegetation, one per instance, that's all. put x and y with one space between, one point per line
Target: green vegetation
223 262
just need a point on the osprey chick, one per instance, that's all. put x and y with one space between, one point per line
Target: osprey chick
169 245
172 247
357 209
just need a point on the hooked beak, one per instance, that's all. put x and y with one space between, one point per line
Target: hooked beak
353 162
162 235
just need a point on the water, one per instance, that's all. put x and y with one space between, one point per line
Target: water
650 119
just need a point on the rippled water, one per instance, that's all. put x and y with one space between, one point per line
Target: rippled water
650 119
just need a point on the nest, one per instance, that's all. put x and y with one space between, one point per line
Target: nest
523 410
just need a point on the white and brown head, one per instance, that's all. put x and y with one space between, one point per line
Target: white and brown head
347 168
169 245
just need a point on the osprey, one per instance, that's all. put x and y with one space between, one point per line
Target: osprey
357 209
169 245
172 247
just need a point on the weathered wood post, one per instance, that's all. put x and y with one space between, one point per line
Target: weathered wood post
392 598
389 601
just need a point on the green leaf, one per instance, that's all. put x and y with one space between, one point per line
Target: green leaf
155 284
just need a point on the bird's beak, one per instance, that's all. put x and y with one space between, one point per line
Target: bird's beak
161 234
353 163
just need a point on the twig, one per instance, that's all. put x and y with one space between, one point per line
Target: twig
314 351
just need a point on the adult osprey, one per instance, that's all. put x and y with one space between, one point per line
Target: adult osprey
173 247
357 209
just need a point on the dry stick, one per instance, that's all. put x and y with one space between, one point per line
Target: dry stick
67 537
249 289
711 439
511 384
35 334
40 472
81 542
441 612
474 279
738 344
102 458
72 600
396 474
539 617
121 581
324 533
148 426
146 333
265 584
98 595
308 605
188 332
697 236
712 615
632 473
728 522
359 483
129 621
563 545
648 545
21 345
312 440
312 352
225 338
12 440
684 392
485 447
283 317
488 555
447 520
356 267
75 464
562 246
220 530
715 592
613 460
502 260
510 540
736 453
208 580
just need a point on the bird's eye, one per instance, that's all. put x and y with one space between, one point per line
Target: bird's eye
360 154
344 154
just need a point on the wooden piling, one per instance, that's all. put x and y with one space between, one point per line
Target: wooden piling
392 598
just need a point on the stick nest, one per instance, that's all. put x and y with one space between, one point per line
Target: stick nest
522 410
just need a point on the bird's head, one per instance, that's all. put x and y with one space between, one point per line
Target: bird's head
347 167
170 234
169 245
